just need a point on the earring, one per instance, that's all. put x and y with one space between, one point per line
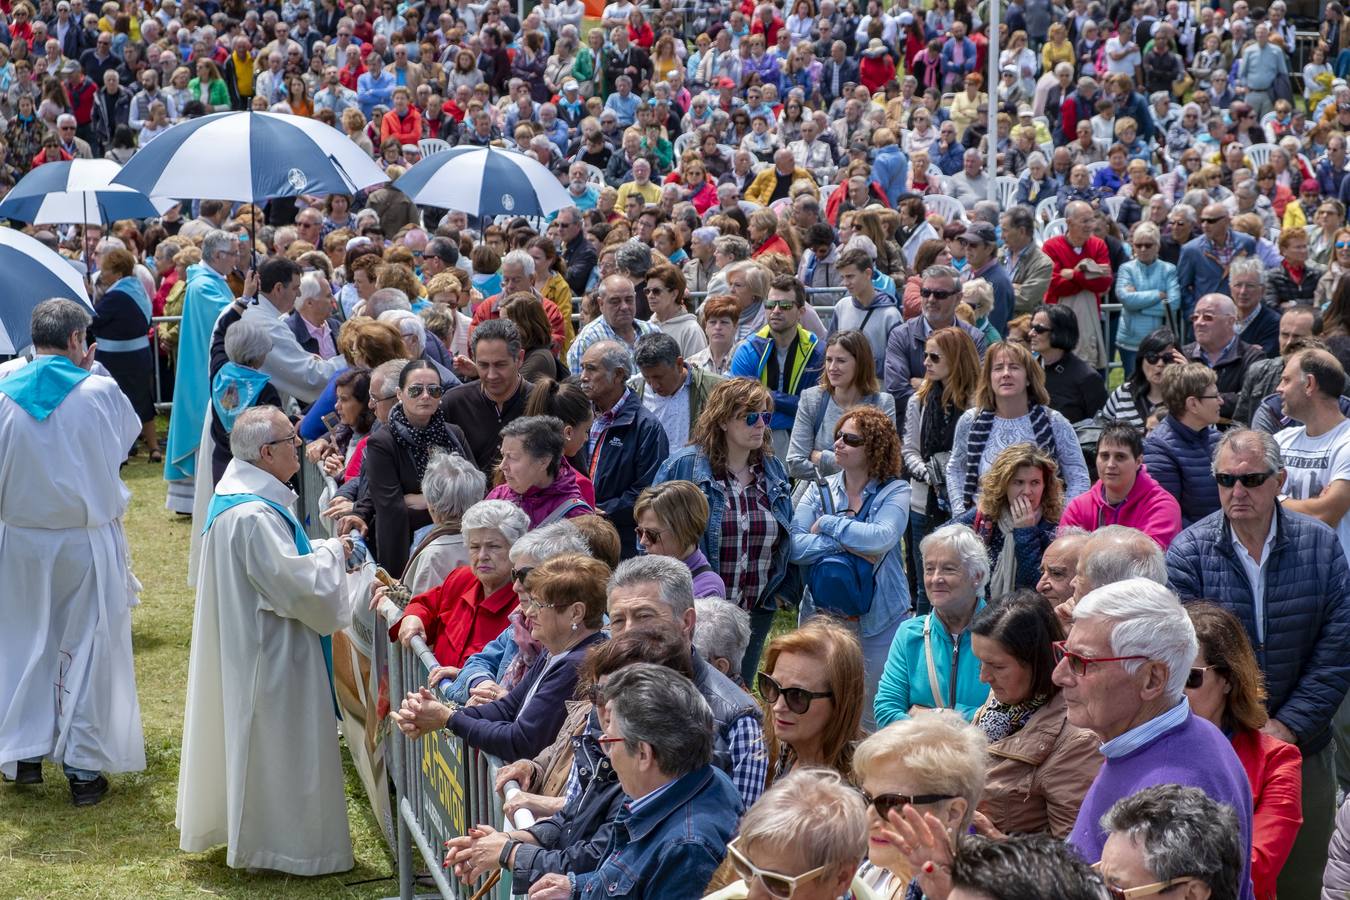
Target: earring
574 626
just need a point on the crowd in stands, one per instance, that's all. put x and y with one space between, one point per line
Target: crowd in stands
839 499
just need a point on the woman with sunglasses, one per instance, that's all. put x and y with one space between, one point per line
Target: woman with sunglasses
1336 270
730 457
848 380
1139 400
533 474
933 765
396 459
863 510
671 518
811 685
1226 687
802 840
1075 389
1016 514
1147 288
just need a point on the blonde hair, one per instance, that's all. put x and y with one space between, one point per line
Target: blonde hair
940 751
680 505
994 483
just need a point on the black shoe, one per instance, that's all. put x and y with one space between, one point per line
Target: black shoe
88 793
28 773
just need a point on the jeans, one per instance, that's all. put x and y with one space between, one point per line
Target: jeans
917 530
71 772
761 623
1127 360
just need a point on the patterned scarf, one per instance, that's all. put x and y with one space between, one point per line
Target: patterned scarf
527 651
999 720
418 442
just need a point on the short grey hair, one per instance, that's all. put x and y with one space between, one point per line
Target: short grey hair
941 272
1147 620
1182 832
55 320
967 545
254 429
548 541
721 629
1119 553
656 706
386 299
539 436
496 515
216 241
614 356
671 577
409 325
1238 440
451 485
1247 265
311 287
733 247
656 349
247 343
388 373
633 258
1036 158
813 814
522 259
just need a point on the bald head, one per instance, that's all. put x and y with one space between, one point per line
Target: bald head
1059 564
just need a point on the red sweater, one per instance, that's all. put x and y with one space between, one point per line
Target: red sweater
459 620
408 129
1275 770
1063 255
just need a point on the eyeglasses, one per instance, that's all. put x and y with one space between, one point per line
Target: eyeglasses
1196 677
940 295
604 742
797 699
1144 890
532 605
757 418
648 535
1342 245
780 304
1248 479
1078 664
884 804
932 357
385 398
1210 220
1204 317
776 884
289 439
433 391
851 440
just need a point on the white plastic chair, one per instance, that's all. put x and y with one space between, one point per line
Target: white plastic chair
1259 154
826 192
1005 186
1094 168
949 208
1053 229
429 146
594 176
1045 210
683 141
1113 205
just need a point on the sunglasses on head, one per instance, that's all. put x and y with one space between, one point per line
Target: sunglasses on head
431 390
1248 479
885 804
798 700
940 295
757 418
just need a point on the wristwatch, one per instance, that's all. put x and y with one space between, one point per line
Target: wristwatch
504 858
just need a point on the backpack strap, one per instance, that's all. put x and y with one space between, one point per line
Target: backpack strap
561 511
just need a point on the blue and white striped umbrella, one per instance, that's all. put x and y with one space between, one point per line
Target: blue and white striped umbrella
250 157
29 274
77 192
485 181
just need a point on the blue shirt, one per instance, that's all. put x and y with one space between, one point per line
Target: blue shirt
625 108
1148 732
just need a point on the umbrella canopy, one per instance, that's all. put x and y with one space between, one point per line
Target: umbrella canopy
29 274
485 181
78 192
250 157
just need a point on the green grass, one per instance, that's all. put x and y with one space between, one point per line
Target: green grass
127 847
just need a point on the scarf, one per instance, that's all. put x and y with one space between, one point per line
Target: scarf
1003 579
418 442
527 651
1000 720
937 429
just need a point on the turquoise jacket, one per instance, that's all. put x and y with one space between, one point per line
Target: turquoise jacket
905 681
1142 310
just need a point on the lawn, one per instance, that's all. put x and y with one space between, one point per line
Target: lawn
127 847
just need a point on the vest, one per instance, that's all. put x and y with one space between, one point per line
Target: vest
728 704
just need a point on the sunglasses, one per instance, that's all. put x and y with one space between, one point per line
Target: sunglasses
1154 358
885 804
932 357
1210 220
851 440
648 535
941 295
1196 677
757 418
797 699
1040 329
776 884
1248 479
780 304
519 575
1078 664
431 390
1342 245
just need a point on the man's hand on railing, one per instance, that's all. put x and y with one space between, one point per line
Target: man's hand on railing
352 523
475 854
551 887
521 771
441 672
316 449
421 714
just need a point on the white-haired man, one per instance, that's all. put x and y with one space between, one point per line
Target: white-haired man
312 320
1123 670
294 370
257 710
67 686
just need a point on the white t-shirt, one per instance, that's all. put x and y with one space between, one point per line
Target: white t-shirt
1125 65
1311 464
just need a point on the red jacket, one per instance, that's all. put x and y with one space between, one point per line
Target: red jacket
408 129
1148 507
1275 770
1062 254
82 100
459 620
42 158
775 244
875 71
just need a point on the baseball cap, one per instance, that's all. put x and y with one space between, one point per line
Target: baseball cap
570 85
979 233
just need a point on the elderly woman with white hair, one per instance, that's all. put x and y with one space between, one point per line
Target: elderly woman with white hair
1036 183
931 664
803 839
1123 672
239 385
451 485
721 634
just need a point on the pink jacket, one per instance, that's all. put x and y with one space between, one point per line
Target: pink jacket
539 502
1148 507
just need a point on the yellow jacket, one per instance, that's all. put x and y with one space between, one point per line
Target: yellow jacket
761 189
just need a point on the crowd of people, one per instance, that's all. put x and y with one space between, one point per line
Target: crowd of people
806 511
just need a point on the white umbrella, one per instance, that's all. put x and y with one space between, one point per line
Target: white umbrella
485 181
29 274
78 192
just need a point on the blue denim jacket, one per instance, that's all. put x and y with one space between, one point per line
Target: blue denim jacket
672 845
689 464
491 663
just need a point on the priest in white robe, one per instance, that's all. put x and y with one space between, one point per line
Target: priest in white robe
67 683
261 770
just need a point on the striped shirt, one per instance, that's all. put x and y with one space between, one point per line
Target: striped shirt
1145 734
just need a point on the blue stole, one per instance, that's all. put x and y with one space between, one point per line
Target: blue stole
222 502
234 389
132 287
41 386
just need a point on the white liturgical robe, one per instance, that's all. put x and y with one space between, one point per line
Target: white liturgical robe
67 684
261 769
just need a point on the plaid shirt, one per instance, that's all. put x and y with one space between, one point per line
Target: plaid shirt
749 531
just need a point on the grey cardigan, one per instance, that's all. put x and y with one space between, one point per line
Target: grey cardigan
806 436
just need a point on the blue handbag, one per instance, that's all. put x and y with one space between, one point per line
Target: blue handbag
843 583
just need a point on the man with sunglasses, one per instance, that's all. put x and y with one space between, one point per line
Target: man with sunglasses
1202 267
1284 575
1123 671
294 370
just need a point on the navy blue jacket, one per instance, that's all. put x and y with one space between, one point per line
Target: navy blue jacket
1030 544
633 448
1178 458
509 728
1264 331
1307 612
672 845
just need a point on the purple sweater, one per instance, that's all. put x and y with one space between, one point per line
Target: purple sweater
1196 754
